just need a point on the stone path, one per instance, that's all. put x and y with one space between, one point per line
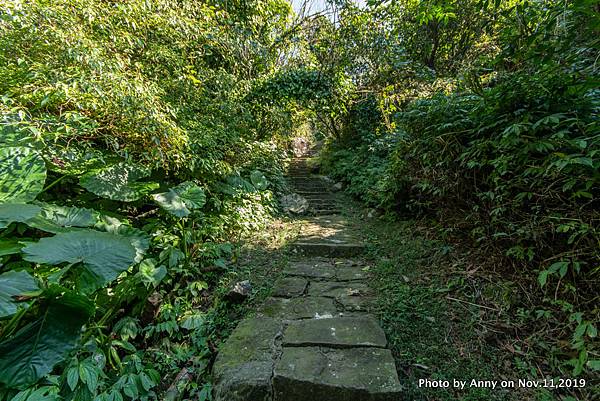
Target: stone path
314 339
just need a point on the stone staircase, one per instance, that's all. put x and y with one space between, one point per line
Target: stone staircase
321 200
313 339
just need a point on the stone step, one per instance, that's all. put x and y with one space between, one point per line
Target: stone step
323 205
322 202
318 196
323 212
328 249
256 363
336 332
323 269
325 374
310 192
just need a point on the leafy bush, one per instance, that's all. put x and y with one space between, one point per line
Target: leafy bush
507 152
128 161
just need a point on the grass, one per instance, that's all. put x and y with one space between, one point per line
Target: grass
435 329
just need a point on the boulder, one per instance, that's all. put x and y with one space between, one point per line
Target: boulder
239 292
294 204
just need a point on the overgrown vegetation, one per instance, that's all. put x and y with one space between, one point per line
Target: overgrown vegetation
140 139
488 126
131 156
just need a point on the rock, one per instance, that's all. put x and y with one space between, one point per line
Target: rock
288 287
239 292
338 332
244 365
335 289
294 203
353 296
318 373
338 186
329 249
348 273
299 308
316 269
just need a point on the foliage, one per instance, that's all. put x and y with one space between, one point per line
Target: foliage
129 158
499 141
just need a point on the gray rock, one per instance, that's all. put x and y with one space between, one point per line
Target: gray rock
239 292
353 296
335 289
294 203
289 287
329 249
317 373
347 273
337 332
338 186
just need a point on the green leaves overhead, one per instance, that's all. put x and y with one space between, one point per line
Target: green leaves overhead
182 199
17 212
12 285
34 350
22 174
118 182
103 255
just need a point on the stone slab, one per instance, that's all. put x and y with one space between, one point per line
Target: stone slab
353 304
311 269
329 249
288 287
317 373
347 273
299 308
244 365
352 295
338 332
335 289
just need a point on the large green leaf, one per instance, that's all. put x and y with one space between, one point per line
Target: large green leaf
66 216
10 247
17 212
103 255
138 239
34 350
13 135
182 199
13 284
259 180
22 174
61 219
118 182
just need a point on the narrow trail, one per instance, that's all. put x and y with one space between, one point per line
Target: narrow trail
314 338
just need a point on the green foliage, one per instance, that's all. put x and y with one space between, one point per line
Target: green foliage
34 350
14 284
102 104
22 174
17 212
182 199
498 142
118 182
102 255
